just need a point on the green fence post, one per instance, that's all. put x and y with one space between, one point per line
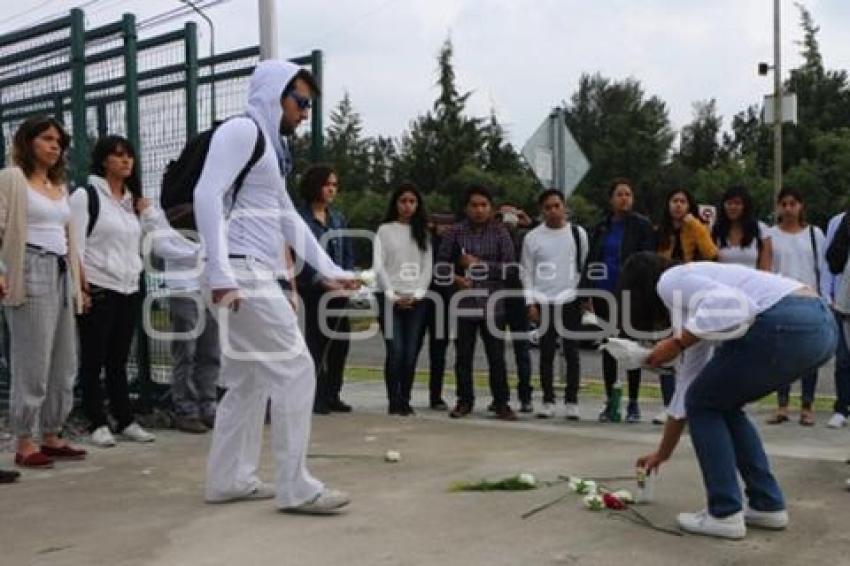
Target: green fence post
131 115
316 132
191 31
80 152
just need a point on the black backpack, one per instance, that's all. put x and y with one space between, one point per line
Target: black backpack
181 176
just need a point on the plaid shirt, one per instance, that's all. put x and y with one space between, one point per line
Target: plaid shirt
493 246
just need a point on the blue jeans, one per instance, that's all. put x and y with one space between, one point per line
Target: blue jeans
842 371
744 370
402 345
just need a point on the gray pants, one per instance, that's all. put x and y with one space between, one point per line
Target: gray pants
43 357
196 361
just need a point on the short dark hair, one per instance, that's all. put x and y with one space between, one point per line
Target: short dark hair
550 193
108 145
313 180
305 76
473 190
22 153
617 181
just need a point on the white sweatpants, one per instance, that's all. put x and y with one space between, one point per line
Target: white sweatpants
263 356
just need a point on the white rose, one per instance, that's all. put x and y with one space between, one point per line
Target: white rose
392 456
367 277
527 479
624 495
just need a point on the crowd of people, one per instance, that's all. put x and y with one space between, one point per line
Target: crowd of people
73 263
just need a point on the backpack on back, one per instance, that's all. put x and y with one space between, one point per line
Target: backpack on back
181 175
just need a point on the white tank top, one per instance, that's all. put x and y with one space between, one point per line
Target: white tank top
46 221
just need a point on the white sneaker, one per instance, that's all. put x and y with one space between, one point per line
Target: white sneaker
660 418
701 523
848 485
837 420
547 411
774 520
260 492
137 434
102 437
328 502
572 412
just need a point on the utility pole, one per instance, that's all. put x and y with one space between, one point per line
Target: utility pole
268 30
777 99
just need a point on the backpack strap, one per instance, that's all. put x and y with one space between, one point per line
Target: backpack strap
815 256
94 207
577 240
259 149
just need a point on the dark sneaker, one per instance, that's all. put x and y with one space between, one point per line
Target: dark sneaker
632 413
439 405
461 410
407 411
526 407
9 476
192 425
338 406
505 413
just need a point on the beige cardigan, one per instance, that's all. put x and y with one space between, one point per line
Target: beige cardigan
13 239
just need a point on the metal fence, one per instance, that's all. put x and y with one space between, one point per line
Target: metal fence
155 91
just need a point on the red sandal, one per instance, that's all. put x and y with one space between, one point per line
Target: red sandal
35 460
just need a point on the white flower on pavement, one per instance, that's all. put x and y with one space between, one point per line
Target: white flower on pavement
527 479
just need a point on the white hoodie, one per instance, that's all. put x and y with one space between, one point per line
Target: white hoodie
263 218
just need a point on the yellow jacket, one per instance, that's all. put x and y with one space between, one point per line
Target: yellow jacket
696 242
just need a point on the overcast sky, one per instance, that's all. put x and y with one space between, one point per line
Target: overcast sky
520 57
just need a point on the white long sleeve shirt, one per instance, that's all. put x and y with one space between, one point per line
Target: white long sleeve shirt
181 256
111 254
263 219
548 263
708 298
401 266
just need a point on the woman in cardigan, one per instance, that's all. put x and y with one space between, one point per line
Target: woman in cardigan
38 246
110 249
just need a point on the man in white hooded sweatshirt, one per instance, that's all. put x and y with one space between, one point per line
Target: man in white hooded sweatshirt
263 352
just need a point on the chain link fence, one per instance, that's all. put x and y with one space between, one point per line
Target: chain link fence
155 91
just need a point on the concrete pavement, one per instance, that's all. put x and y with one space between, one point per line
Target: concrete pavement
141 505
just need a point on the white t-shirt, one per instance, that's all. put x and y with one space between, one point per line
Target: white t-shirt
548 262
46 221
747 256
708 299
400 265
794 257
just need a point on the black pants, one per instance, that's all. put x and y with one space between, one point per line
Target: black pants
516 319
609 363
402 329
106 333
437 326
467 330
570 317
328 354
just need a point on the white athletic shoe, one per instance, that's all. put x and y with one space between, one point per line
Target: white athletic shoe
102 437
328 502
137 434
774 520
572 412
701 523
660 418
547 411
848 484
837 420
